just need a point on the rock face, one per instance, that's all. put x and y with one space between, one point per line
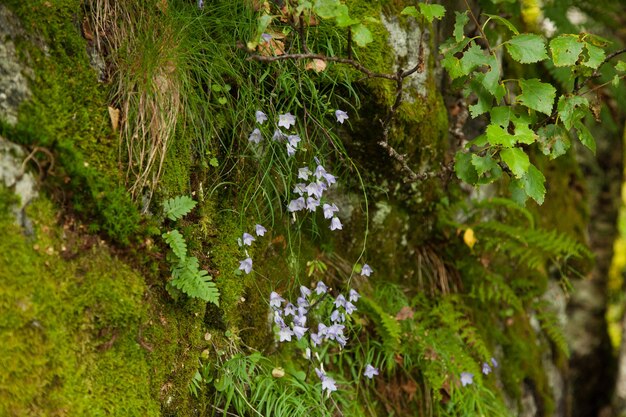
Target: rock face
14 177
13 83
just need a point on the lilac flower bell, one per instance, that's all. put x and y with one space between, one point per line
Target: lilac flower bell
467 378
255 136
276 300
246 265
329 210
260 117
335 224
366 270
320 288
341 116
286 120
247 239
370 371
260 230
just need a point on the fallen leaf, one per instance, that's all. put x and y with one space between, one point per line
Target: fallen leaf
405 312
278 372
272 48
469 238
114 114
87 33
410 387
318 65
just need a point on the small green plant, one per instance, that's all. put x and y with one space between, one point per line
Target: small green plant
186 273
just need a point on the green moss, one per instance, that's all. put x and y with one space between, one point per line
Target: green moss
70 314
67 114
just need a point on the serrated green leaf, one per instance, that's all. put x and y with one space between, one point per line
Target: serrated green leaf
517 161
464 168
503 21
459 24
491 80
565 50
501 115
496 135
486 165
485 99
523 133
572 109
176 241
553 140
450 62
518 194
177 207
537 95
483 164
432 11
527 48
595 56
472 58
410 11
361 35
213 162
585 136
534 181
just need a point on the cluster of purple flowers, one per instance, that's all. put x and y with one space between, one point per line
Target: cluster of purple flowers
467 378
310 194
291 320
320 181
246 240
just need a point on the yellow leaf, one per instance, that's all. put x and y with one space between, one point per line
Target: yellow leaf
469 238
278 372
114 114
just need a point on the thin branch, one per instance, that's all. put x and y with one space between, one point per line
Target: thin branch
478 26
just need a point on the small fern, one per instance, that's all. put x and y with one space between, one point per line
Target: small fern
177 207
193 281
177 243
186 273
387 327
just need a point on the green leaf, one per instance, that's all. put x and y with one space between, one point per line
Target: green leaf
485 99
450 62
177 207
176 241
596 56
517 161
518 194
213 162
486 165
410 11
496 135
262 23
473 57
343 18
464 168
572 109
620 66
491 81
585 136
461 20
523 133
553 140
565 50
432 11
537 95
326 9
501 115
534 186
503 21
527 48
361 35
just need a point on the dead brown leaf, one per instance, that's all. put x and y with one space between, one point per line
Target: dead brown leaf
410 387
274 47
114 114
317 65
405 312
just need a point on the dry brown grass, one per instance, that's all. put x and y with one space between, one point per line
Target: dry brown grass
141 51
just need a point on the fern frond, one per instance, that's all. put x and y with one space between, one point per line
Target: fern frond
176 241
551 326
193 281
387 328
177 207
